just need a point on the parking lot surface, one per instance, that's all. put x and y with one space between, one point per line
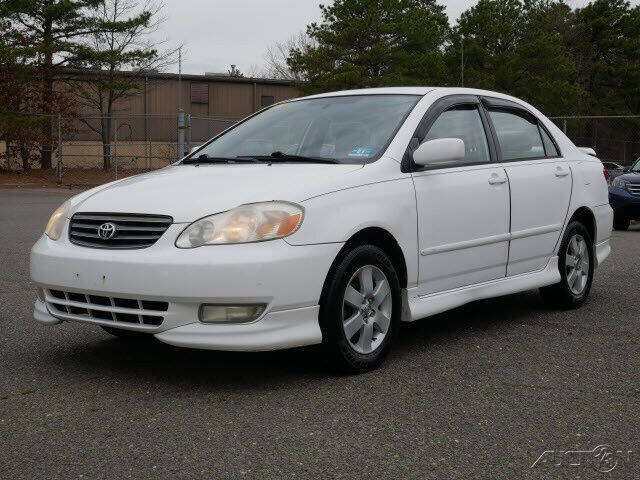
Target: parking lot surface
479 392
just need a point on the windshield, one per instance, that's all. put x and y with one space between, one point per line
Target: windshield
348 129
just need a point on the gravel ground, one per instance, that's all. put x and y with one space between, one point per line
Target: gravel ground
479 392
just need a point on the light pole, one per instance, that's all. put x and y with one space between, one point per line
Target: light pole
462 60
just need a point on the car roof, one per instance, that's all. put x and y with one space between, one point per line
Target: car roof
374 91
421 91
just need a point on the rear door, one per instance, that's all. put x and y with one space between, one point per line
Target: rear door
540 181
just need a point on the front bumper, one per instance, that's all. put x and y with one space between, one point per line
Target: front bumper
287 278
624 203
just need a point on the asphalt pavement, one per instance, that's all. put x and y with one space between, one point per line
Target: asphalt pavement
479 392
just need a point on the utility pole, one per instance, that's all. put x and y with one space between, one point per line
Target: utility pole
181 119
180 78
462 60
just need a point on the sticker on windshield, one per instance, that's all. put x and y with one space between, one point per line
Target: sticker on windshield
361 152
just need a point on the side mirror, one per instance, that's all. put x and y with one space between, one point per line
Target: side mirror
193 149
439 152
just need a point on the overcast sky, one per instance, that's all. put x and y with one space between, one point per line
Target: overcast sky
218 33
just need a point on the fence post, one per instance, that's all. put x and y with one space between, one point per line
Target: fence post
7 142
180 134
115 145
189 133
59 149
564 126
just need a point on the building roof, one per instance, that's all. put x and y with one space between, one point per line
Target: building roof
189 77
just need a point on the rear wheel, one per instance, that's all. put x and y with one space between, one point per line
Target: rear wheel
576 264
360 311
621 222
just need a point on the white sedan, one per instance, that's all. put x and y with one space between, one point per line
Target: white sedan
330 220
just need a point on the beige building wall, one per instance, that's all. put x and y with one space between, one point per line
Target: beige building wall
158 99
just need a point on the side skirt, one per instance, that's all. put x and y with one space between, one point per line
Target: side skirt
427 305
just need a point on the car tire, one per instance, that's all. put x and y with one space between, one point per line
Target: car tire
575 256
128 335
621 222
359 315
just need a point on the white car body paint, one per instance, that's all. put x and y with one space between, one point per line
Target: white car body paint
466 233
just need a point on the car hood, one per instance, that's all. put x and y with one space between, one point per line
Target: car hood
632 177
189 192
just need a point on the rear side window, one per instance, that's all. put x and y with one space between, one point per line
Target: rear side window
463 122
518 135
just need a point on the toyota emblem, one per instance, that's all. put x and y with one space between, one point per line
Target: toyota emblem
106 231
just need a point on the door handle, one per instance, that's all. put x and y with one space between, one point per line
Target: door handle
495 180
561 172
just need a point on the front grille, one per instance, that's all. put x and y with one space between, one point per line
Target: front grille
117 310
117 230
634 188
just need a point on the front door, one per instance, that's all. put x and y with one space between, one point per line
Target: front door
463 210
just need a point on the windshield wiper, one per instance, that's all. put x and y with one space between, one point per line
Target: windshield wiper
280 157
207 159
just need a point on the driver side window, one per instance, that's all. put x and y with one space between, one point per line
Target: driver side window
463 122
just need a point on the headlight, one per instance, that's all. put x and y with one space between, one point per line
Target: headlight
620 183
53 230
254 222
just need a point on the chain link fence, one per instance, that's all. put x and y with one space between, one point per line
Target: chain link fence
93 149
615 138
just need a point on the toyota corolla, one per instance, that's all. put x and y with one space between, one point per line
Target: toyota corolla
330 220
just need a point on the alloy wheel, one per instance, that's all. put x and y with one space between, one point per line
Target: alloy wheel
577 264
366 309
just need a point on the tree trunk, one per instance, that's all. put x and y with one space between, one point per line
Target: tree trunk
8 152
106 142
47 95
25 154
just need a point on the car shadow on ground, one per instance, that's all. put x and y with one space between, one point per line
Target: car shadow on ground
156 361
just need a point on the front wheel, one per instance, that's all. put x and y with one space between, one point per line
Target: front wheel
360 311
576 262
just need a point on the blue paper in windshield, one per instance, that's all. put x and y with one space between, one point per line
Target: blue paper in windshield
361 152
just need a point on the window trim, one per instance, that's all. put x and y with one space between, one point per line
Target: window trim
429 118
492 103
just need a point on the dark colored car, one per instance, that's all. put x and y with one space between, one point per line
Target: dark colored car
614 169
624 197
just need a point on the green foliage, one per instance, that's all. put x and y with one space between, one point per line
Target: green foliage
369 43
517 47
118 45
44 38
564 61
52 28
606 44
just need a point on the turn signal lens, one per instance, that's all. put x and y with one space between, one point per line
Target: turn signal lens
255 222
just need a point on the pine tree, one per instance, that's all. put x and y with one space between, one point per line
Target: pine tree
368 43
53 29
